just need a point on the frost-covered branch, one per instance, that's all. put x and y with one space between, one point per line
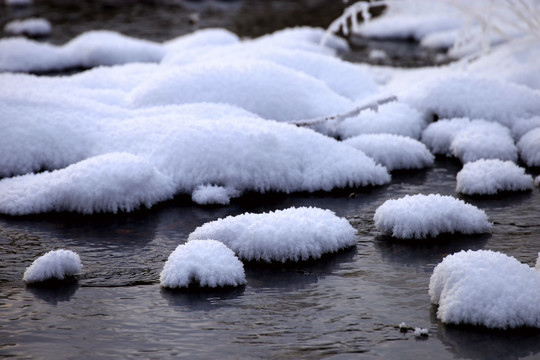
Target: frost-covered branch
374 106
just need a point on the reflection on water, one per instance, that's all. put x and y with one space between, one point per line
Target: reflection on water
55 293
469 342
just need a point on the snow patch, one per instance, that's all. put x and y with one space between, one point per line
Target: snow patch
207 263
488 177
420 216
293 234
56 264
486 288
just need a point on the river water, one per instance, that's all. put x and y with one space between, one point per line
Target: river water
344 306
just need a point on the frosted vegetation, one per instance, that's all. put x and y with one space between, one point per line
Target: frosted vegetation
294 234
54 265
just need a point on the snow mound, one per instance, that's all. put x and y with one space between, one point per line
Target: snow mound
470 140
465 95
484 140
529 147
488 177
207 263
344 78
524 125
293 234
30 27
89 49
420 216
486 288
392 118
108 183
269 90
56 264
394 152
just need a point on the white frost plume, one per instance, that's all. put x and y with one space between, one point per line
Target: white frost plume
206 263
56 264
395 152
293 234
486 288
420 216
488 177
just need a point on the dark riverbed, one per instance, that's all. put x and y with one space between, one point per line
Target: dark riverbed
343 306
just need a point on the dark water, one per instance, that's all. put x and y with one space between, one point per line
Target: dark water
343 306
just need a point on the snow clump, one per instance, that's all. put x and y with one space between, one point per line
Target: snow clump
395 152
420 216
393 118
529 147
470 140
293 234
30 27
486 288
107 183
488 177
56 264
206 263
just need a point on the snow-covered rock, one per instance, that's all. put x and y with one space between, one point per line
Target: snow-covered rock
293 234
107 183
206 263
420 216
394 152
529 147
392 118
486 288
470 140
30 26
54 265
488 177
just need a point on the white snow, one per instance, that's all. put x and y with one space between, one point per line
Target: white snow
524 125
89 49
470 140
56 264
394 152
212 194
107 183
393 118
30 26
486 288
173 150
452 94
420 216
206 263
292 234
488 177
269 90
529 147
